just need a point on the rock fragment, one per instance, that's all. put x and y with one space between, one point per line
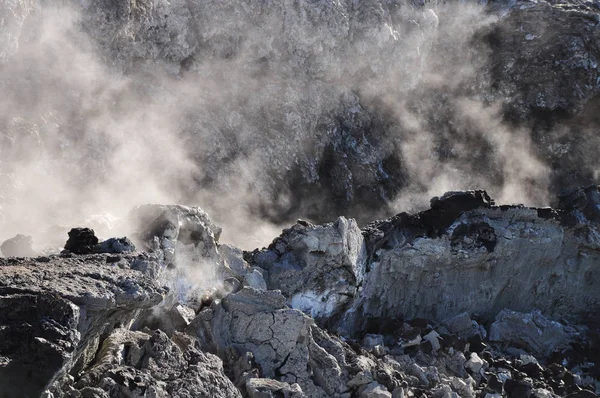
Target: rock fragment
19 246
268 388
81 241
115 246
530 330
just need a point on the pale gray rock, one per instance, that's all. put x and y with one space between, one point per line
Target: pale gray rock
187 231
268 388
259 322
512 251
532 331
318 268
375 390
19 246
474 364
285 345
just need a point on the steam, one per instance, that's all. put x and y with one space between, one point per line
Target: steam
106 106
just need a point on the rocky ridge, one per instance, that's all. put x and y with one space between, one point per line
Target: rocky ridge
327 310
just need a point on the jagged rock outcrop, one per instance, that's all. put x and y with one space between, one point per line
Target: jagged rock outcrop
98 325
55 312
137 364
464 254
186 242
318 268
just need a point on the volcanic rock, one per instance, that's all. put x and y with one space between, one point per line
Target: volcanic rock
130 364
55 314
81 241
19 246
419 276
318 267
115 245
531 330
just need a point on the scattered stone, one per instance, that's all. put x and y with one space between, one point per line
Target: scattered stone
433 339
474 364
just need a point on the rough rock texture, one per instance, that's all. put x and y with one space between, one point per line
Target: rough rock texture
463 254
136 364
115 245
193 264
19 246
81 241
262 337
532 331
319 102
99 326
480 259
176 229
55 312
319 268
260 322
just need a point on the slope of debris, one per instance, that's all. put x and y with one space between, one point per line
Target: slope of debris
325 311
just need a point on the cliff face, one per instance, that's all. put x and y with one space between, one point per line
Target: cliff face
303 109
463 255
463 298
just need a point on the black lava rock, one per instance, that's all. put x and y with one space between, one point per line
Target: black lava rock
81 241
475 344
495 385
518 388
532 369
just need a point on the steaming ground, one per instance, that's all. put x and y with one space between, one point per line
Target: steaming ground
260 113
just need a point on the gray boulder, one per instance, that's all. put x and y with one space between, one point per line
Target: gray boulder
54 313
19 246
115 245
318 268
280 339
268 388
532 331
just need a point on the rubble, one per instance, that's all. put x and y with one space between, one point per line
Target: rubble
102 327
328 110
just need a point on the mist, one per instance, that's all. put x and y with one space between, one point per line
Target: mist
259 113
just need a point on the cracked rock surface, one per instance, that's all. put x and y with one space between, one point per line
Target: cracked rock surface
55 312
466 299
